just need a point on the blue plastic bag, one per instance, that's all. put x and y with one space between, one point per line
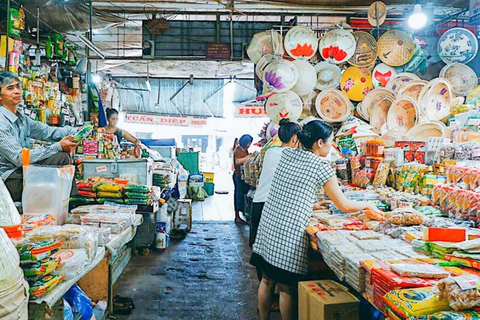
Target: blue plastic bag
80 302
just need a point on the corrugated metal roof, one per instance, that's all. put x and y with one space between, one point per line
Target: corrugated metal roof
243 94
189 102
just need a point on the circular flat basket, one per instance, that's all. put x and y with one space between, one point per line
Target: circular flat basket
365 51
373 97
438 100
395 48
457 45
402 115
381 74
328 75
286 105
307 77
461 77
301 43
379 113
396 83
272 130
280 76
333 105
423 131
356 83
412 90
262 43
377 13
337 46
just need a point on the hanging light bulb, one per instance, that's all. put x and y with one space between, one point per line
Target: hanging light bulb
96 78
417 19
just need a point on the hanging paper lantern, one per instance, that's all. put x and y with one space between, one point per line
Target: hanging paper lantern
307 77
280 76
356 83
337 46
301 43
286 105
382 73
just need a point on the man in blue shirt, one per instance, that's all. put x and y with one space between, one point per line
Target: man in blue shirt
16 130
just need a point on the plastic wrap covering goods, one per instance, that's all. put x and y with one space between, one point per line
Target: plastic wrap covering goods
9 215
68 17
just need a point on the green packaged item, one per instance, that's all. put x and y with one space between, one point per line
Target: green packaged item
14 27
48 48
82 200
44 285
114 200
40 268
429 211
347 146
36 251
137 195
137 188
58 47
138 201
82 134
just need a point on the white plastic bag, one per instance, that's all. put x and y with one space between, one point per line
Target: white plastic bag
47 190
9 215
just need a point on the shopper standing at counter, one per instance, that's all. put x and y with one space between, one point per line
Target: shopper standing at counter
281 246
15 131
240 156
111 128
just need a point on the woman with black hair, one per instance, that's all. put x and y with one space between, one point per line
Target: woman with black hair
281 246
111 128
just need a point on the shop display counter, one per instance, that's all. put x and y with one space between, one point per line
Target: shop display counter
141 168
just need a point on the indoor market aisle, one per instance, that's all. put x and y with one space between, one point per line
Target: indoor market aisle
204 276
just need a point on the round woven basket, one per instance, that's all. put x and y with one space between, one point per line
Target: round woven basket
402 115
438 100
423 131
412 90
373 97
400 80
379 113
333 106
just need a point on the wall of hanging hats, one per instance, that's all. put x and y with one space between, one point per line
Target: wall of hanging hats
363 79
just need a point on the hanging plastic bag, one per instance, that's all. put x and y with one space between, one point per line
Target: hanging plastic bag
9 215
79 301
47 190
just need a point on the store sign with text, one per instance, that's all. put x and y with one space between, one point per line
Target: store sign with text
474 13
250 109
165 120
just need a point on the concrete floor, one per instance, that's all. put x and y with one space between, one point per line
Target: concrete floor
205 276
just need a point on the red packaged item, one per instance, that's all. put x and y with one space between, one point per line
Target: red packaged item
409 156
420 157
84 186
89 194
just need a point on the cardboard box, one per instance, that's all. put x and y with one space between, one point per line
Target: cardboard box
445 235
325 300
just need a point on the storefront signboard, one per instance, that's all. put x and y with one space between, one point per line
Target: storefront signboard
165 120
250 109
474 11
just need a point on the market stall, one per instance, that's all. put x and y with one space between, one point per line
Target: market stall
405 143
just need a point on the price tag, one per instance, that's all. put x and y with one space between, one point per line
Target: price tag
101 169
467 282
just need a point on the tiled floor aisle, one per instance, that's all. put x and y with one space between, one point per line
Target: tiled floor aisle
205 276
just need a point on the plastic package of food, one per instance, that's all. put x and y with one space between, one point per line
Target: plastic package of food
40 268
138 201
107 194
450 315
137 195
366 235
89 194
33 251
103 234
406 218
108 187
137 188
462 292
44 285
72 262
419 270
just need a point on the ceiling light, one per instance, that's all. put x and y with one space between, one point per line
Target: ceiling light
96 78
417 19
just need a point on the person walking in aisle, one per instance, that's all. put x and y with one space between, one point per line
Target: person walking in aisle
281 246
240 156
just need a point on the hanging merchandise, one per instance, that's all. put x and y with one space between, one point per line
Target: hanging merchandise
457 45
301 43
461 77
377 13
397 82
328 75
16 23
59 48
427 130
412 90
437 99
365 51
307 77
49 48
395 48
402 115
379 113
333 106
286 105
337 46
418 63
381 74
262 43
356 83
272 130
280 76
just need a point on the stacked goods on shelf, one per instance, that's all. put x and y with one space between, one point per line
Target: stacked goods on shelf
101 190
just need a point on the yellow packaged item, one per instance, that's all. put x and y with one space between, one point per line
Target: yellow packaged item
105 194
415 302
